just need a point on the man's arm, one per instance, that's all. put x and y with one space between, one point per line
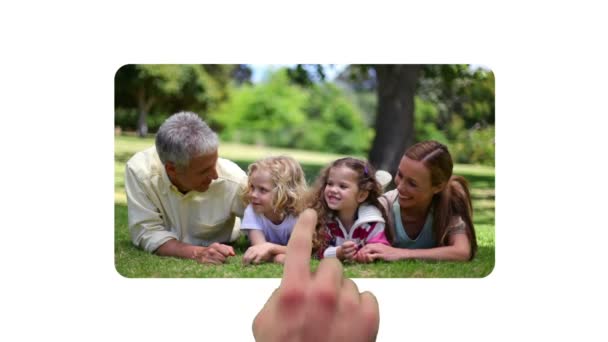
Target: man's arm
148 230
146 226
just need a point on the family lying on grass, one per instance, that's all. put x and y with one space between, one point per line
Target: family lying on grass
183 201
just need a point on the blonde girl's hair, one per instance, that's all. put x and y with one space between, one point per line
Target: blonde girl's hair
366 181
288 181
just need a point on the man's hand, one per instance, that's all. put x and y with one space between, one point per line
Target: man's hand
215 254
323 306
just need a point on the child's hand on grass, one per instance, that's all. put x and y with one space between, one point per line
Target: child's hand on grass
258 253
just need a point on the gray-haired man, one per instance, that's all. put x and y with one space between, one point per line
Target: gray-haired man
182 199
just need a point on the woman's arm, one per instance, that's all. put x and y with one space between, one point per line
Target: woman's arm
458 249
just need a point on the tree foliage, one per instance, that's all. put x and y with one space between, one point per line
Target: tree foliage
158 90
377 110
271 113
463 114
284 114
453 103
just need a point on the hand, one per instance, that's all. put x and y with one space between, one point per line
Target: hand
258 253
215 254
375 251
315 307
347 251
224 249
363 257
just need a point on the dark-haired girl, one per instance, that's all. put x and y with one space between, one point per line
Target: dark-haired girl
349 213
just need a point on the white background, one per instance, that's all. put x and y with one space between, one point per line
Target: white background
56 78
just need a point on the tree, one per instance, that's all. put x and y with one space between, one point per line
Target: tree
458 90
394 123
166 88
242 74
456 104
395 114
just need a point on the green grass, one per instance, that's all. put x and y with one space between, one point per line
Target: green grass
135 263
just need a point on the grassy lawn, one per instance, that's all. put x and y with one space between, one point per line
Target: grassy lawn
135 263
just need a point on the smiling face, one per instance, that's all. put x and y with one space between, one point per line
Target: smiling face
413 181
341 191
197 176
260 192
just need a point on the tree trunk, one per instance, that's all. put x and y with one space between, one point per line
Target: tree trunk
143 107
142 126
395 114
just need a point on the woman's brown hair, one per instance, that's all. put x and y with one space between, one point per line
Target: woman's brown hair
454 200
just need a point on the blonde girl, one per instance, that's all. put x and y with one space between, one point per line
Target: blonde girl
274 199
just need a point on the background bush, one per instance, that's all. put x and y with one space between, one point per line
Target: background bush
454 104
472 146
281 114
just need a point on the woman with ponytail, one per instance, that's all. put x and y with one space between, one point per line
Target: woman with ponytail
430 214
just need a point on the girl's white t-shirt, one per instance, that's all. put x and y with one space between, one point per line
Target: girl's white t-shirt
274 233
